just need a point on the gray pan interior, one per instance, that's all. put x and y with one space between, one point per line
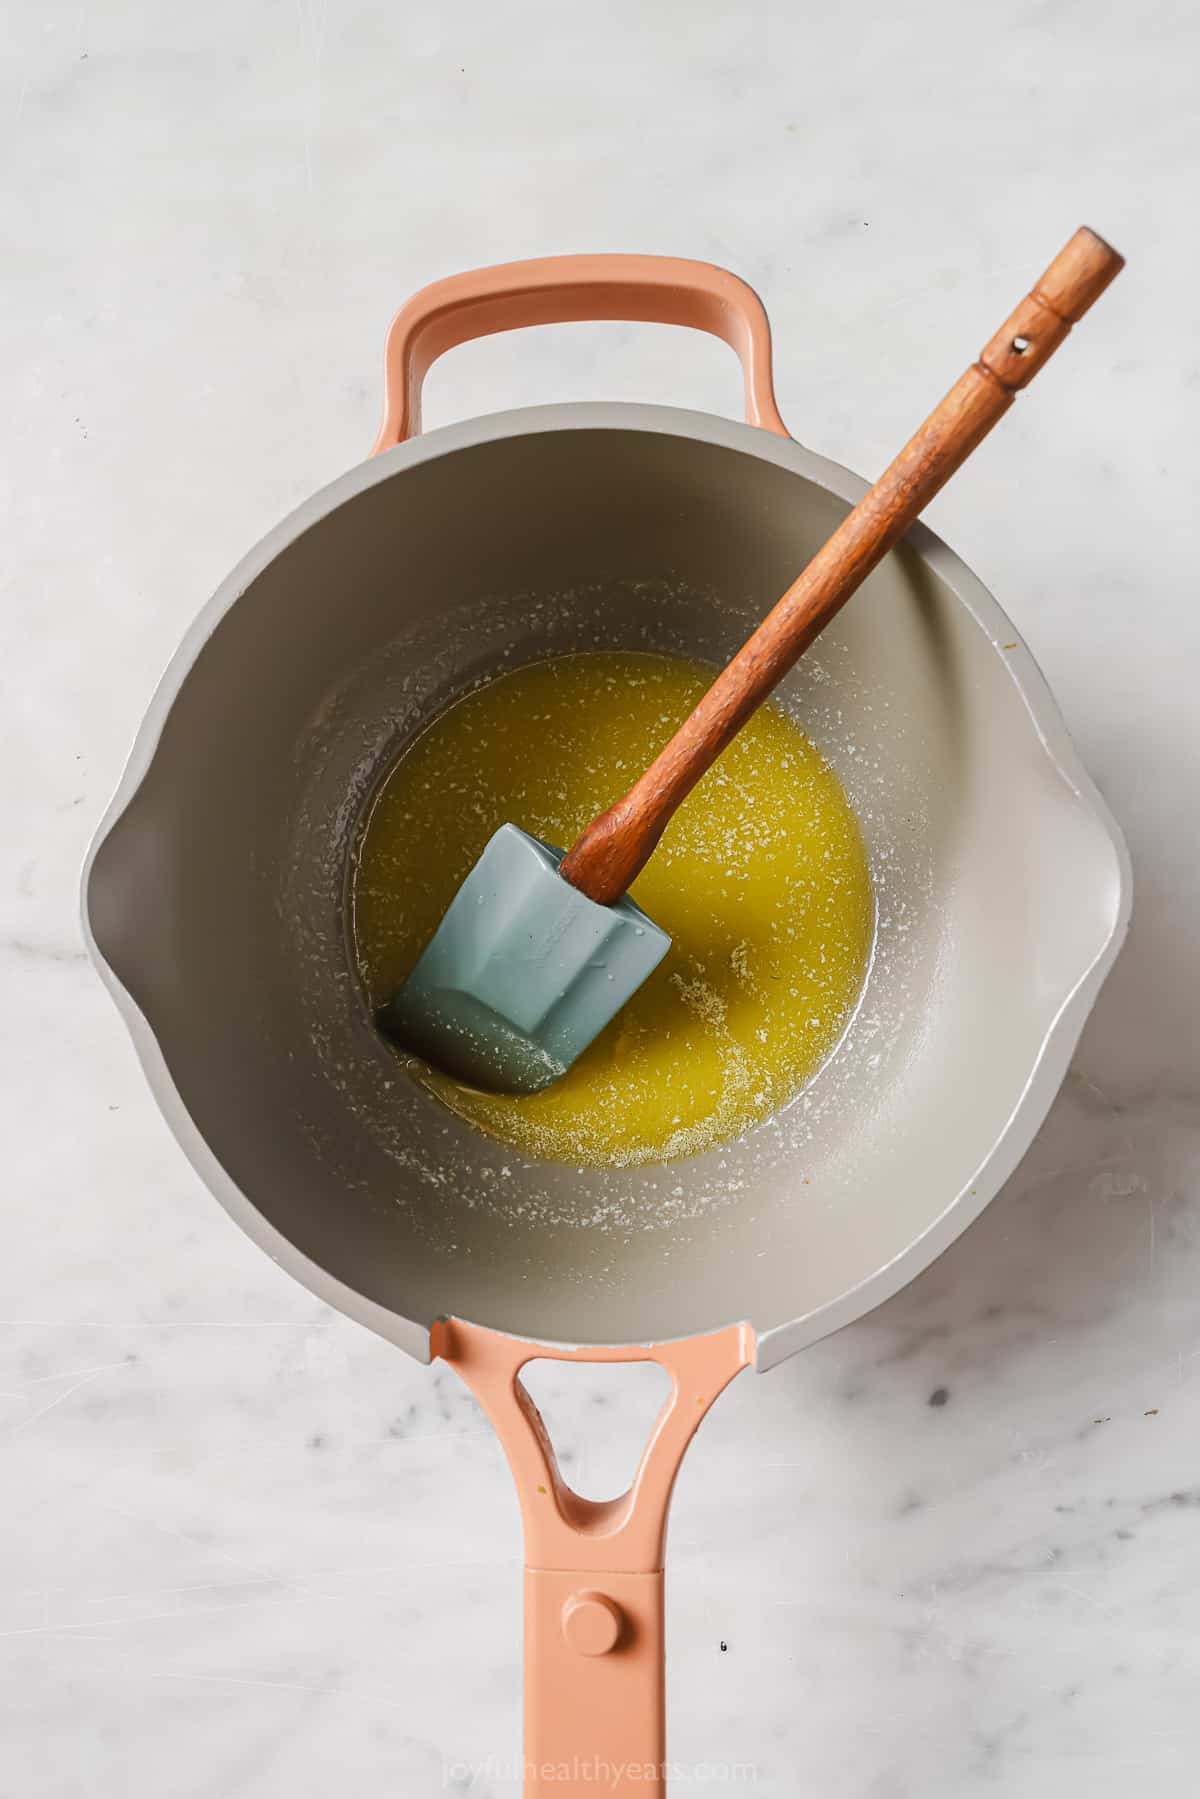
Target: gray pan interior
214 896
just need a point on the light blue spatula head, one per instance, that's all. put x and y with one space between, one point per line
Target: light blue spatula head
523 971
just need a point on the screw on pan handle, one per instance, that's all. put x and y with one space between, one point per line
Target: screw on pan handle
616 846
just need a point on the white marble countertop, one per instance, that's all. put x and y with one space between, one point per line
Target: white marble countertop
247 1551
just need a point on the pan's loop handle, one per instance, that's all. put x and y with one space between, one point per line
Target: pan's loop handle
550 290
594 1688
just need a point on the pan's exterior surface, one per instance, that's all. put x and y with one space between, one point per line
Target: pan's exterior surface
214 892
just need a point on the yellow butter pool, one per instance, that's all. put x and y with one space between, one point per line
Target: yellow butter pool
761 880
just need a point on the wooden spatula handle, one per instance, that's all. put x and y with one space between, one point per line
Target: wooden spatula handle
615 847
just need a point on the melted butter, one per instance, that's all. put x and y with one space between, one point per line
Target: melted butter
761 880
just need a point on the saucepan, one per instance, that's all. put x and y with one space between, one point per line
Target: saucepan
215 909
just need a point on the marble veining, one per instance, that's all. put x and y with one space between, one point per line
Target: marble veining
246 1550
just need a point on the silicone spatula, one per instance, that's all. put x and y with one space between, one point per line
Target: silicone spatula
539 950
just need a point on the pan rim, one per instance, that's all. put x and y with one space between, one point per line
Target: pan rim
1062 1032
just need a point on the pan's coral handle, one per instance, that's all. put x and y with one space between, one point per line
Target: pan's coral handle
552 290
594 1688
